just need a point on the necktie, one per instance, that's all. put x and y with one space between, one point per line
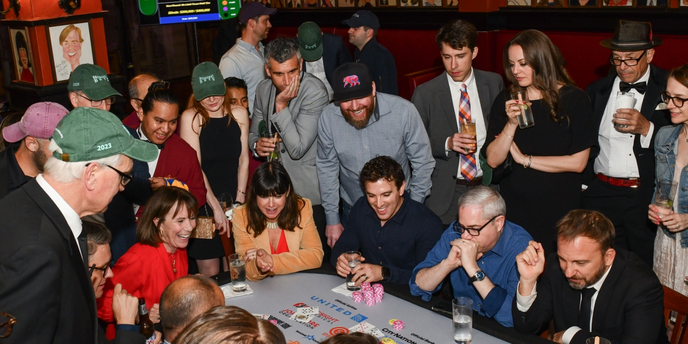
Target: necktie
585 307
83 246
639 86
466 161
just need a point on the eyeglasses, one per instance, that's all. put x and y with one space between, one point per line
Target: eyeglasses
124 178
677 101
458 228
628 62
96 103
6 322
103 269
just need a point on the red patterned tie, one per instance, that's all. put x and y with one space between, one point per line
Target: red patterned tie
466 161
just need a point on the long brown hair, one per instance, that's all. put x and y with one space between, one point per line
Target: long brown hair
549 68
271 179
161 202
229 324
201 111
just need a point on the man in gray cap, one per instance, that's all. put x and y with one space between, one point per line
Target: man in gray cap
363 32
89 86
245 59
322 53
43 265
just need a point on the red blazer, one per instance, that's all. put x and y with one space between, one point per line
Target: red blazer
144 271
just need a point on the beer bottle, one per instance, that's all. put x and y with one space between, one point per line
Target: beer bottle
145 323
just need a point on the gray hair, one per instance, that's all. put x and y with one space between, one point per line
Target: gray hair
67 172
281 49
96 235
491 201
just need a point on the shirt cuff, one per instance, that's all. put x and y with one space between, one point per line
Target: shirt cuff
446 150
568 334
128 327
494 301
645 141
332 219
523 303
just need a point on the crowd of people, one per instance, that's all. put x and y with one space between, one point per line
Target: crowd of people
536 223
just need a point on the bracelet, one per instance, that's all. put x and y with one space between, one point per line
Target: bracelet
241 191
507 135
530 161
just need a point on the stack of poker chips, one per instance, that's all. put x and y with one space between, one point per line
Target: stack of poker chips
358 296
398 325
378 292
371 294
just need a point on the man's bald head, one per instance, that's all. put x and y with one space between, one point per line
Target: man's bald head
138 88
185 299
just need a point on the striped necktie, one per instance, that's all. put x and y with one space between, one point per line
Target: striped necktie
466 161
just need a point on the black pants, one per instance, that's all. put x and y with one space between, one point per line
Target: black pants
320 224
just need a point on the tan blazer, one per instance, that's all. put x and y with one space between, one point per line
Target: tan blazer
305 248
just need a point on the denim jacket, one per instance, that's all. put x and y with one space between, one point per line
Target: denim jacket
665 158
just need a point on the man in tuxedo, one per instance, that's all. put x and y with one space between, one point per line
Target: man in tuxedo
439 102
289 104
587 287
621 172
43 278
322 53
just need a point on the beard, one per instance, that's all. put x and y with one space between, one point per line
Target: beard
359 123
39 158
587 281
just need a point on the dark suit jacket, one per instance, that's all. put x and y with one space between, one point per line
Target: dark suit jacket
335 54
434 103
43 280
599 93
629 306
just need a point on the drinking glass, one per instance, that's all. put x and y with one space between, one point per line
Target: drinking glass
237 269
354 260
624 100
666 191
226 201
526 119
275 154
462 319
469 128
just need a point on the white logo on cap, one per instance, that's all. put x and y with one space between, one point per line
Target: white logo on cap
310 47
97 78
75 84
59 132
203 79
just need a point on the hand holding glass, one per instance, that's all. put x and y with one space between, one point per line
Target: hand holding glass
468 128
624 100
525 119
354 260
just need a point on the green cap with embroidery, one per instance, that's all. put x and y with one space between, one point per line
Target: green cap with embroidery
93 81
310 41
87 134
207 81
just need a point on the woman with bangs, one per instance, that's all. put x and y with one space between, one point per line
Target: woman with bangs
548 158
274 230
218 131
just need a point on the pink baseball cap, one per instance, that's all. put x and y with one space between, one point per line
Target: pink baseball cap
39 121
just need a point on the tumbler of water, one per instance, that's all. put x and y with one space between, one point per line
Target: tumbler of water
462 312
237 269
354 259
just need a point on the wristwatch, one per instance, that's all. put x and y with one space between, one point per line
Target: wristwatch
479 276
386 274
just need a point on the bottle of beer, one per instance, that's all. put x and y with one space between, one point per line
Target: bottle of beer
145 323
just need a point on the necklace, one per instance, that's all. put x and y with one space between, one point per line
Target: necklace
174 264
271 225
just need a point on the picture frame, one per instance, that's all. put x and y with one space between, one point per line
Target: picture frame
22 55
682 3
432 3
366 3
70 45
451 3
583 3
618 3
346 3
652 3
387 3
410 3
519 3
328 4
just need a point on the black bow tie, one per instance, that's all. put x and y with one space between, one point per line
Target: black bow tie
160 146
640 87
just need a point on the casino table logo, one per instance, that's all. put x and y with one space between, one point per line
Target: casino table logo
359 317
280 323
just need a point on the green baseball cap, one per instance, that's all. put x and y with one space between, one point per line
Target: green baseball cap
310 41
93 81
207 81
87 134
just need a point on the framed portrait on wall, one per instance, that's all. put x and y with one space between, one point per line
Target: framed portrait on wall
451 3
432 3
582 3
410 3
519 3
366 3
618 3
70 46
683 3
652 3
346 3
328 3
21 52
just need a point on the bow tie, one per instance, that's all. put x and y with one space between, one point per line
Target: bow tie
640 87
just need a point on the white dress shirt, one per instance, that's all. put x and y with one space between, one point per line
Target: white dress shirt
317 68
152 165
616 158
72 218
476 114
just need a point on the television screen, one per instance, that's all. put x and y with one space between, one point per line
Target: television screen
153 12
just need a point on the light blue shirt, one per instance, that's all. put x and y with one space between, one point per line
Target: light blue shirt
243 61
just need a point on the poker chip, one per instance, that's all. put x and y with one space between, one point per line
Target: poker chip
387 341
370 302
391 321
358 296
398 325
365 285
273 321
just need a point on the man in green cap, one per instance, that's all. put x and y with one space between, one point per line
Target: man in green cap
89 86
43 251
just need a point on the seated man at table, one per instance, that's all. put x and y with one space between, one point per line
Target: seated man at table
588 288
393 233
478 253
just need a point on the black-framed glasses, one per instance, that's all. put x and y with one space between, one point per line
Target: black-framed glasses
6 323
629 62
124 178
676 100
458 228
96 103
104 269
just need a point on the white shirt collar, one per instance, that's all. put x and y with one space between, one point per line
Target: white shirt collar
598 285
469 82
69 214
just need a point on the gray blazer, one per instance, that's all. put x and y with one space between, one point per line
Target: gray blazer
297 125
434 103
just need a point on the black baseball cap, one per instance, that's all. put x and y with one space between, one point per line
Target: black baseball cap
253 9
363 18
351 81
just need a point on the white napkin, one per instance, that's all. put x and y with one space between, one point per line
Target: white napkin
229 293
341 289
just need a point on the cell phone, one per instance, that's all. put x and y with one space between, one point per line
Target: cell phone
443 307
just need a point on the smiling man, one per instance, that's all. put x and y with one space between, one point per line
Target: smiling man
438 102
478 253
360 125
588 287
392 232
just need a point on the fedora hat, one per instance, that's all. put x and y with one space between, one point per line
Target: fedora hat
632 36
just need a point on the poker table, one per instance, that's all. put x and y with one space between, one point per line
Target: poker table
279 298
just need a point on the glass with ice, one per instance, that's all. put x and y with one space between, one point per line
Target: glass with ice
468 128
354 259
525 119
237 269
462 319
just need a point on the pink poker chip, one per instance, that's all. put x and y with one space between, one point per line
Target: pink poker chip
365 285
358 297
273 321
398 325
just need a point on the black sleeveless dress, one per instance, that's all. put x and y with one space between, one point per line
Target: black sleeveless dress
220 151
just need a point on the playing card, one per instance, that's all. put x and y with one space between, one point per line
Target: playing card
308 310
362 327
375 332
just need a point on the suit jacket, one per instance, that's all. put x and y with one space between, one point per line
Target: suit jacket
305 248
297 125
43 280
11 175
629 306
599 93
335 54
434 103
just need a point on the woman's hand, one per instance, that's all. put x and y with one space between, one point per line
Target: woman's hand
655 213
154 313
675 222
264 261
513 110
221 222
516 154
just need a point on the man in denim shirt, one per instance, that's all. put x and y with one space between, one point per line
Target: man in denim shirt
479 253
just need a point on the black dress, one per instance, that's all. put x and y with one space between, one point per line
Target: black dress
536 200
220 150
